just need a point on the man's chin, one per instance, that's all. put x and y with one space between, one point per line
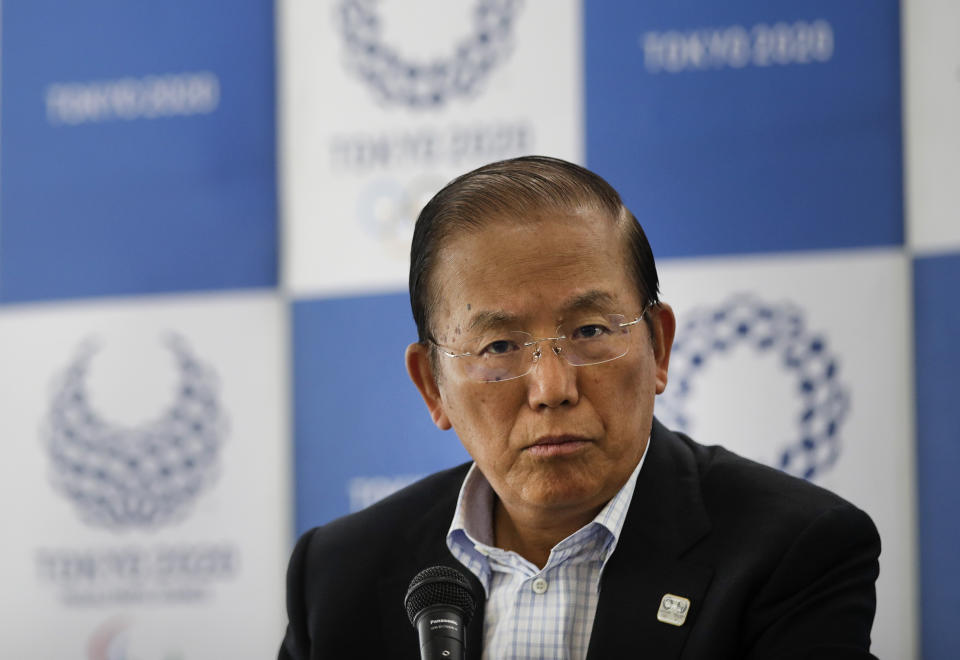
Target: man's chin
559 495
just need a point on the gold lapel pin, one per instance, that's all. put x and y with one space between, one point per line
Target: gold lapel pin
673 609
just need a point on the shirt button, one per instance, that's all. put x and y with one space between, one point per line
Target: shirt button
539 586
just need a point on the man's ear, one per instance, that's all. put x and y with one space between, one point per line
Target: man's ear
418 366
663 325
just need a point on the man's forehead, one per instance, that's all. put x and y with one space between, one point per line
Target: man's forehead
520 271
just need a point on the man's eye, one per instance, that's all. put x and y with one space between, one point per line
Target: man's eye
499 347
591 331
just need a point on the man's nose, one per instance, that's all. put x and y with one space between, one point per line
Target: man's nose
552 381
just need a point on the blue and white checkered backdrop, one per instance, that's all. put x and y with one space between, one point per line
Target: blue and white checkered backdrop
205 213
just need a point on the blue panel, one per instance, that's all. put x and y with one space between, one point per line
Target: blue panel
750 126
137 147
936 282
357 414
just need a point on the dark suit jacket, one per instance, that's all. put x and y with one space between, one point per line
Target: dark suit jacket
773 566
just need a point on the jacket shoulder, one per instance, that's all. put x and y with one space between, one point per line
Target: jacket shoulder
382 525
747 487
346 566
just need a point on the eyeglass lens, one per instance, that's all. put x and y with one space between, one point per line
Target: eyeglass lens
514 354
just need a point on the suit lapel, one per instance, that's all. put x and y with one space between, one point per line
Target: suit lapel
666 518
426 546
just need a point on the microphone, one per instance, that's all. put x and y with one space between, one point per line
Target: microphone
440 604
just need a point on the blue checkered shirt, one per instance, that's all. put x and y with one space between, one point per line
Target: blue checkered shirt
532 612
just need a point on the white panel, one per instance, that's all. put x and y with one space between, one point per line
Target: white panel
762 339
170 415
491 80
931 69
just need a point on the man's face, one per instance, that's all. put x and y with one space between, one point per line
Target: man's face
561 438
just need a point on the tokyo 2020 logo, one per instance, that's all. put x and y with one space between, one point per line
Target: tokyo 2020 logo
135 476
399 78
779 332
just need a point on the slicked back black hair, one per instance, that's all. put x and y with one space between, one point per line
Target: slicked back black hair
518 188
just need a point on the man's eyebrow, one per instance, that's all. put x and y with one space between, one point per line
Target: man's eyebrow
487 319
593 299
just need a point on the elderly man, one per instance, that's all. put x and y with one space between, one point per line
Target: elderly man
586 528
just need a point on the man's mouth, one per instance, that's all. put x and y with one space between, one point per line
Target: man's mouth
557 445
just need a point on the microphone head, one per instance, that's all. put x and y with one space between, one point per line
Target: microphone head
439 585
